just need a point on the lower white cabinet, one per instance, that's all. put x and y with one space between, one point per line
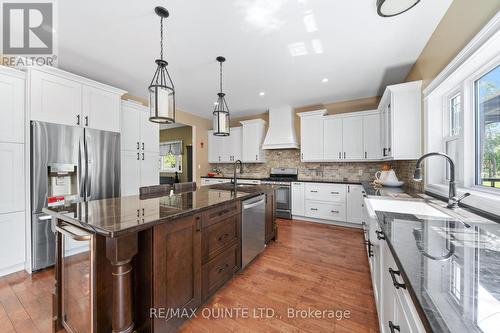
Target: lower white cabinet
328 202
213 181
395 307
355 203
12 242
138 169
298 198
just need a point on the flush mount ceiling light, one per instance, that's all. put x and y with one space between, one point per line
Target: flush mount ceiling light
221 111
388 8
262 93
161 89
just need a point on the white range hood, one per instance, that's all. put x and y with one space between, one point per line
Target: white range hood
281 131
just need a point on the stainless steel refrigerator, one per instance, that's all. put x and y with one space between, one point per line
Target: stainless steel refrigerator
68 164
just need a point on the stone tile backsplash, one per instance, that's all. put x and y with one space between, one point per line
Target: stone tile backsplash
352 171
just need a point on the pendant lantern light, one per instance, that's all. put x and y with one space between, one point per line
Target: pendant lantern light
221 111
389 8
161 89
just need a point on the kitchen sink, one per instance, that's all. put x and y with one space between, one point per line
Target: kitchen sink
414 207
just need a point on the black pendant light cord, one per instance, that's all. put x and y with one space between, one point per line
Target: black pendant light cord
221 77
161 38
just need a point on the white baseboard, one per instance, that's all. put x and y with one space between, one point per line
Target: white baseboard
338 223
12 269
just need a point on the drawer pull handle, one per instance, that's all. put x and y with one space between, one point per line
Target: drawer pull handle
396 284
335 211
223 268
335 192
369 245
313 191
138 214
226 235
314 208
380 234
393 327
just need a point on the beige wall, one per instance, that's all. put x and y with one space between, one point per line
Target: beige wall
185 134
363 104
201 127
463 20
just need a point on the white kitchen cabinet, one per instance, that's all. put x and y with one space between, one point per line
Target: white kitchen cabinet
12 198
11 105
214 145
130 136
235 144
60 97
298 198
253 134
371 136
311 136
101 109
400 107
140 144
332 146
352 138
325 210
326 192
55 99
150 168
355 203
12 242
213 181
130 173
150 133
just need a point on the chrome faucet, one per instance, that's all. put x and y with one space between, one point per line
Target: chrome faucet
234 175
452 189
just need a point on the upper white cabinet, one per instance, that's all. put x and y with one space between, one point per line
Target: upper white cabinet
400 122
11 105
225 149
243 143
59 97
371 136
311 136
253 134
352 138
149 131
332 139
101 109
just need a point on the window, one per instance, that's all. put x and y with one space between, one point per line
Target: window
453 138
171 156
487 117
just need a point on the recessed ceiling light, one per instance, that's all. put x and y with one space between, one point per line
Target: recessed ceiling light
325 80
262 93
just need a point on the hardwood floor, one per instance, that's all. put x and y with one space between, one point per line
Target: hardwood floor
311 266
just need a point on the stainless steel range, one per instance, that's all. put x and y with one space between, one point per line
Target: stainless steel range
283 178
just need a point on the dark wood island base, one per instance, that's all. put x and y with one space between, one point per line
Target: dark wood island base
150 277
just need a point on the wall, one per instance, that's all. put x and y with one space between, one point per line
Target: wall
200 127
179 133
463 20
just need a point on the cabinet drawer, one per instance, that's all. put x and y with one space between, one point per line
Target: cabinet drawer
323 210
220 270
325 192
217 237
218 214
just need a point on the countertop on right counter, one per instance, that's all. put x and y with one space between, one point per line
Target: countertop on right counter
451 268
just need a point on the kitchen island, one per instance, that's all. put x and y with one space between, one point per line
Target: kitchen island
145 263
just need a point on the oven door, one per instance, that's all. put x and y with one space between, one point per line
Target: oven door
283 202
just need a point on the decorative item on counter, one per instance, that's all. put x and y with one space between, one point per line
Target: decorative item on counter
387 177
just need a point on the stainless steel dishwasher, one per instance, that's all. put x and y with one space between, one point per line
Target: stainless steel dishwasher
253 231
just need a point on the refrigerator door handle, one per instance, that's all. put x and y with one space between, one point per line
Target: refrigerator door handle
88 171
81 169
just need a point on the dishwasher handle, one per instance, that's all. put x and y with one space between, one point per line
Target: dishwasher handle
254 204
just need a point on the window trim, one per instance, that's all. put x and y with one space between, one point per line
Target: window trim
477 58
178 162
457 91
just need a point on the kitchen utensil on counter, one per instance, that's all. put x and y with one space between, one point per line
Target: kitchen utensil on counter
387 178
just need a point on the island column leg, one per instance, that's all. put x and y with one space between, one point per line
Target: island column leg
120 252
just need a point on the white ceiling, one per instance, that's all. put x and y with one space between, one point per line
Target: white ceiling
116 42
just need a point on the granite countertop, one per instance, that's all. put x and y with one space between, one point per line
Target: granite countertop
451 268
301 180
117 216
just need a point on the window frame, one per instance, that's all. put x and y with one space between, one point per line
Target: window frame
178 162
447 130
